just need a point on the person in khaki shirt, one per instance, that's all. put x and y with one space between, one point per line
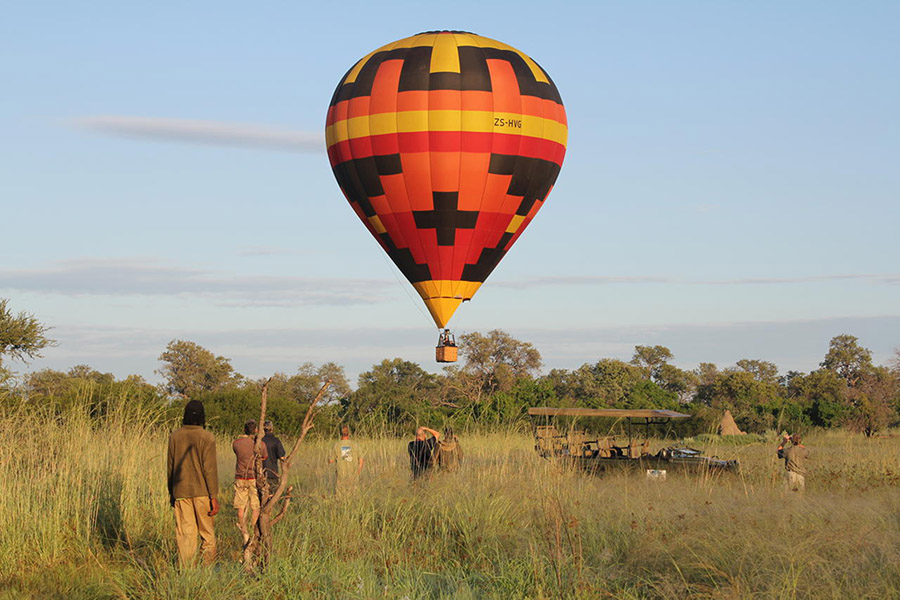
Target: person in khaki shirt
795 457
348 463
193 481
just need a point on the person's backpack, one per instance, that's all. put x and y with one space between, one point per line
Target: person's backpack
448 454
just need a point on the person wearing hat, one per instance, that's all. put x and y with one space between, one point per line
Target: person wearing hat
193 480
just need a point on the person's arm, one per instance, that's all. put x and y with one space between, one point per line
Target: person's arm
436 434
170 471
784 440
361 461
211 473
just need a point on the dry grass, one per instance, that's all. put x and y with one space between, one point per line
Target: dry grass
84 515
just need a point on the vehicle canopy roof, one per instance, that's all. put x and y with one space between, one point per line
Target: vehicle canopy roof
615 413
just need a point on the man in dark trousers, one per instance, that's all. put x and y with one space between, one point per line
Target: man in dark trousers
275 451
193 479
421 451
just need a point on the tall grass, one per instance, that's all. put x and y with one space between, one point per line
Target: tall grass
84 514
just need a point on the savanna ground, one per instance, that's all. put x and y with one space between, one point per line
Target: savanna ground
84 514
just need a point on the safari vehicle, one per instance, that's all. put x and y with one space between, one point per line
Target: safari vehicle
598 453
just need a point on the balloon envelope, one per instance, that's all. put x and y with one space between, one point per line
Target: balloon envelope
446 145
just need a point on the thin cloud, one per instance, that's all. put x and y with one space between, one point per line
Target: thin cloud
205 132
632 280
265 251
147 277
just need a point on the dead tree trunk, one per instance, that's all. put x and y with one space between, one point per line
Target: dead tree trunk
258 549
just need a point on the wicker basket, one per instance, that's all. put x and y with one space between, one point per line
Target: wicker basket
445 354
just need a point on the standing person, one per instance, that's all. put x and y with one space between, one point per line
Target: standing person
421 451
245 494
795 457
348 463
448 454
193 479
275 452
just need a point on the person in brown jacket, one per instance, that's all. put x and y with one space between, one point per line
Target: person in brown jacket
193 480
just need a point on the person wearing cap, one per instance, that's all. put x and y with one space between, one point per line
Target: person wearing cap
795 457
245 492
193 481
275 451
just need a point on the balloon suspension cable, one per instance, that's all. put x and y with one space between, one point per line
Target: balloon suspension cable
403 284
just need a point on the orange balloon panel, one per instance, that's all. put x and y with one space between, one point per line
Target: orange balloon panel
446 145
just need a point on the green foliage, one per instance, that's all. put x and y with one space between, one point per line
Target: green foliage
603 384
392 397
497 360
745 396
21 336
57 392
307 382
761 370
191 370
847 358
823 396
678 381
650 359
511 408
647 394
874 400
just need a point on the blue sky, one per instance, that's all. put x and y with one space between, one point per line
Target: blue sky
730 188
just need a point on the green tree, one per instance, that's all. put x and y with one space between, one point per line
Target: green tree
761 370
190 369
678 381
823 396
392 397
497 360
305 384
749 399
706 373
650 359
847 358
22 337
603 384
874 400
83 387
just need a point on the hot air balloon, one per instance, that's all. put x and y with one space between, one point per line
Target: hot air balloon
446 145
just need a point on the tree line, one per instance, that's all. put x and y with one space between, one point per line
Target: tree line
492 386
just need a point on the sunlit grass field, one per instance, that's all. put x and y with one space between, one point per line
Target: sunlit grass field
84 514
